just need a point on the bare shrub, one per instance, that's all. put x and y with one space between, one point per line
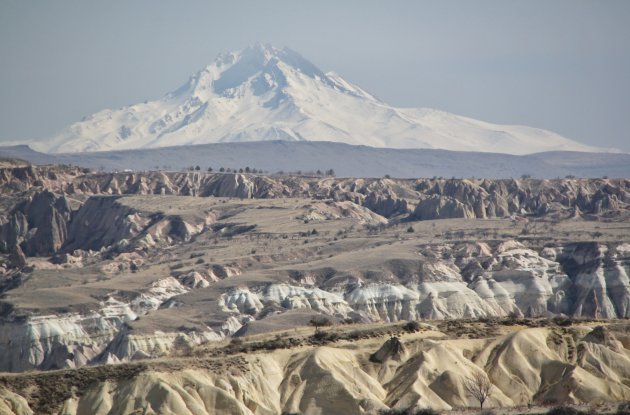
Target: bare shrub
479 386
564 410
411 326
318 322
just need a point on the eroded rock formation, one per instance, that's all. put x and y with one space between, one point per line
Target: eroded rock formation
38 225
98 221
526 366
436 198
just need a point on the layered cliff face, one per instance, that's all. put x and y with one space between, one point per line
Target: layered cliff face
101 335
509 279
583 364
54 342
600 276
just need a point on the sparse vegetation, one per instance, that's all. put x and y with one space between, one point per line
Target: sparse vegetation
412 326
47 391
565 410
323 337
408 411
562 321
623 408
319 322
479 387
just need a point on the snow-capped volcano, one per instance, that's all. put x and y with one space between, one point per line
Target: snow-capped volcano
266 93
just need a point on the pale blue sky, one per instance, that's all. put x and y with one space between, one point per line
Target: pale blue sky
560 65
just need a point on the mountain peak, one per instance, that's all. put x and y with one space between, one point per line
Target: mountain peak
263 92
262 55
257 52
260 67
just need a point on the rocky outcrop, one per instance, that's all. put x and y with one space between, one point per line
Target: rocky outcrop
510 279
17 259
55 178
419 198
331 210
101 335
600 276
12 403
128 346
390 197
441 207
230 185
48 216
386 205
391 349
289 297
104 221
54 342
601 335
38 225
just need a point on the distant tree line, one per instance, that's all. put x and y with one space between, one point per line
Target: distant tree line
229 169
329 172
247 169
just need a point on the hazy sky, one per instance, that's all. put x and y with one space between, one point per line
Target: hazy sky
559 65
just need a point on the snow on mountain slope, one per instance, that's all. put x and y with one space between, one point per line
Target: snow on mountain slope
265 93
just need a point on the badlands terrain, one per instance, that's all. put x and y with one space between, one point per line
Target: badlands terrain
195 293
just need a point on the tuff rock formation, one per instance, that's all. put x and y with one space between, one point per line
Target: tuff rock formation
434 198
176 249
38 225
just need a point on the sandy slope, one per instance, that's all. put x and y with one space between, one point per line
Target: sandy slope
524 365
